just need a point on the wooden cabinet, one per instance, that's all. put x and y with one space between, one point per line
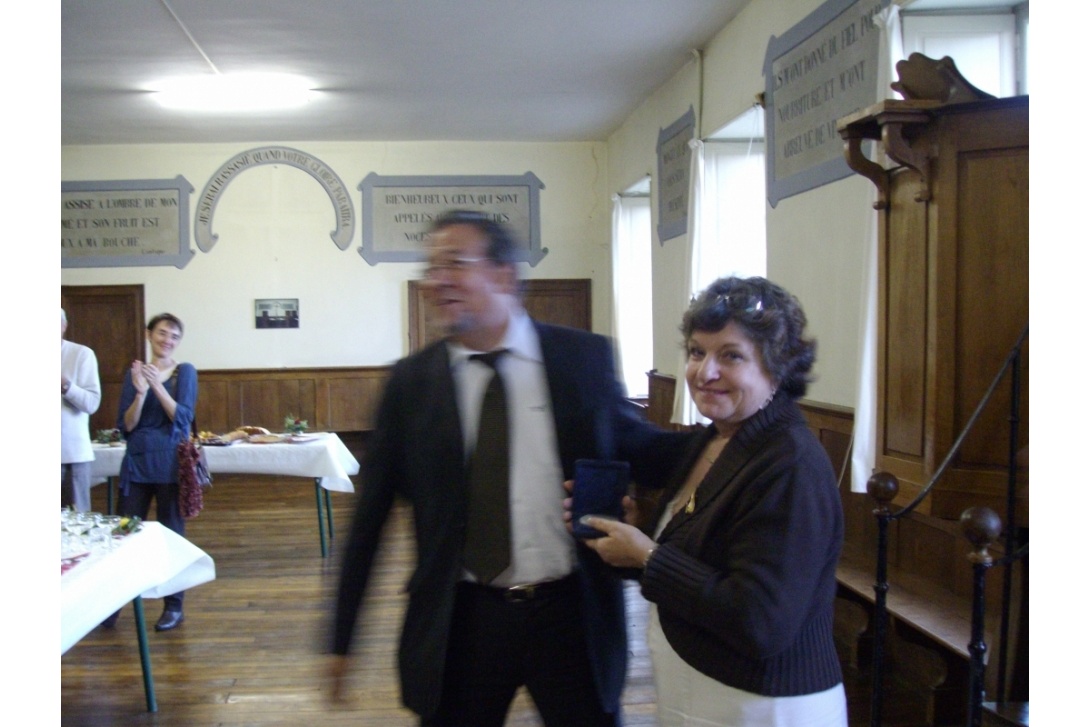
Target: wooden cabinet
953 288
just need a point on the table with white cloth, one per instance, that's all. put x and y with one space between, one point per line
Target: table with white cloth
151 563
321 456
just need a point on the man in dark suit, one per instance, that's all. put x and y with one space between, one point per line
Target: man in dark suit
553 619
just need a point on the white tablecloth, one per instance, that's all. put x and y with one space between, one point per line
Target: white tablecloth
152 563
324 457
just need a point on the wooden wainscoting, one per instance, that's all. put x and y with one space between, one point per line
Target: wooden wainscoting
330 399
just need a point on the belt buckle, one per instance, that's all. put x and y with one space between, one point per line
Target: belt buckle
520 594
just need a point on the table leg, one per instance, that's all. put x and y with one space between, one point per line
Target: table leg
145 655
329 515
109 495
321 518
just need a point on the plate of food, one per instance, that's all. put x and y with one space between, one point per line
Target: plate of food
265 438
211 439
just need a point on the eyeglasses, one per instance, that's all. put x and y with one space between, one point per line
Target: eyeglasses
455 265
743 303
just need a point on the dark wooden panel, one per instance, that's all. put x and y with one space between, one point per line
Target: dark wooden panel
563 302
993 299
906 320
660 398
297 397
330 399
212 413
349 403
259 401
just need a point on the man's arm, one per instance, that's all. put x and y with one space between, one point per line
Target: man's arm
380 473
83 391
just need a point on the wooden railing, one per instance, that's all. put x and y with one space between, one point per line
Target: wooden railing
883 488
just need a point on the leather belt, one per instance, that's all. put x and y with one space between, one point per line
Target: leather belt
525 592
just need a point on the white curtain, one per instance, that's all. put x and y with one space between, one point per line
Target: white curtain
632 290
734 241
684 410
726 229
865 442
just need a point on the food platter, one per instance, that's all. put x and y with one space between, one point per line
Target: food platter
265 438
219 442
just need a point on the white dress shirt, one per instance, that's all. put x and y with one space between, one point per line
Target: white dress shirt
542 548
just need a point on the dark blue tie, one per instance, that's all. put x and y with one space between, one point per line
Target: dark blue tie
488 531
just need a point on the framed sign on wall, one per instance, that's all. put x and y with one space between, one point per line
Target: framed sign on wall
674 160
824 68
398 210
125 223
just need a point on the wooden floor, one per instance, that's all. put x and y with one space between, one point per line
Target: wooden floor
253 648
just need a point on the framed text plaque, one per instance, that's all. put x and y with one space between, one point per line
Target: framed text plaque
674 160
125 223
397 211
818 71
338 194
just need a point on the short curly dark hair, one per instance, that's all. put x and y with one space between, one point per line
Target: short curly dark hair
169 318
769 315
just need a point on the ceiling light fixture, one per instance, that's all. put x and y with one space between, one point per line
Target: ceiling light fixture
229 92
236 92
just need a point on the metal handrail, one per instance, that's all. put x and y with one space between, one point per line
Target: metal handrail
883 487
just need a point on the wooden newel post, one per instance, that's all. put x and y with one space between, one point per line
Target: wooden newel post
882 487
981 527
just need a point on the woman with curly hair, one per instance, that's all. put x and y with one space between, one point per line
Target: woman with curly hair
741 573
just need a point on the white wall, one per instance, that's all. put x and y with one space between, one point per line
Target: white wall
816 240
274 222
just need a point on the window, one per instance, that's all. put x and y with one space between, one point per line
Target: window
733 203
632 286
985 46
734 192
727 229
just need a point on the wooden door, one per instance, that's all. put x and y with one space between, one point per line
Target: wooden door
110 320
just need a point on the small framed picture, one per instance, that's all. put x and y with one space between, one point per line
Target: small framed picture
276 313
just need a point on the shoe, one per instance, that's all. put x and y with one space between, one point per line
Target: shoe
111 620
169 620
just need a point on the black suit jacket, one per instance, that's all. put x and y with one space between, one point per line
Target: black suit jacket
417 452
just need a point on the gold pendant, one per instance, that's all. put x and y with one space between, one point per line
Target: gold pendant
691 505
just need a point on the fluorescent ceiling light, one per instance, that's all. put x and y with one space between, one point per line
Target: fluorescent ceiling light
234 92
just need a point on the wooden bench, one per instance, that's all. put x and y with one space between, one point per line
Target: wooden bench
927 638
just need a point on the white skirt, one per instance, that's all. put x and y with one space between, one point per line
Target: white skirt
688 698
